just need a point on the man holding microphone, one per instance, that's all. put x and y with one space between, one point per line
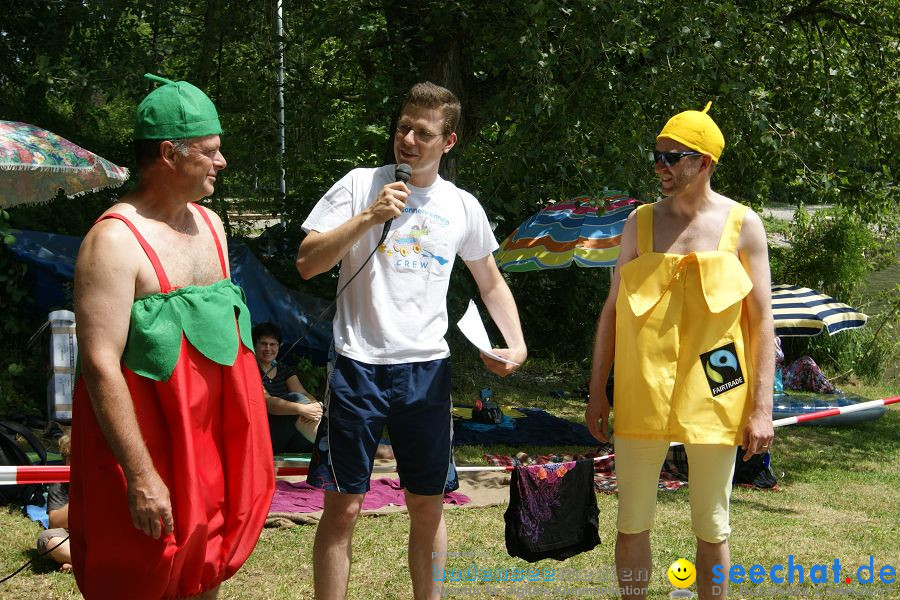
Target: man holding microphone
392 366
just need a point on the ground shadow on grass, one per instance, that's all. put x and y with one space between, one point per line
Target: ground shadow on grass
681 497
806 449
42 565
30 564
673 497
761 507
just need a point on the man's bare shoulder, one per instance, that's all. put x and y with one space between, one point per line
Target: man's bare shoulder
218 226
110 240
213 216
105 233
629 230
753 232
749 217
628 246
723 201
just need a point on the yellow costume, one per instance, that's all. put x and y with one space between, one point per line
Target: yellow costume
681 372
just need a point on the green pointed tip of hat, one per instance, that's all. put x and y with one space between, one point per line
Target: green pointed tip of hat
696 130
175 111
153 77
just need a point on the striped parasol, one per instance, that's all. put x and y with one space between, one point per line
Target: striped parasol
800 311
585 230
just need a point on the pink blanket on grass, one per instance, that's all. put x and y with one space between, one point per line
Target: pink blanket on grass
301 497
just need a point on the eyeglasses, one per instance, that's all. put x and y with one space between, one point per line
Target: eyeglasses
421 136
670 158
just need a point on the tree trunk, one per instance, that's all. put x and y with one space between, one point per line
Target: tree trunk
439 57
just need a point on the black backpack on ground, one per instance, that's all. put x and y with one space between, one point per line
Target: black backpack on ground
12 455
486 410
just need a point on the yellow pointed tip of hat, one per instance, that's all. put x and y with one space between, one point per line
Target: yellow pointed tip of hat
696 130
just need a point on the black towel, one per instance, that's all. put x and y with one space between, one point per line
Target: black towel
552 511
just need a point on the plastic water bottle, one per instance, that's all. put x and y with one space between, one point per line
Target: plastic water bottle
779 384
63 356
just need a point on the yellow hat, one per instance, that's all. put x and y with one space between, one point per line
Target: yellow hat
696 130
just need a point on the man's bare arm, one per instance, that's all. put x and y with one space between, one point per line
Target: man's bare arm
105 275
502 306
319 251
597 410
754 255
58 517
294 385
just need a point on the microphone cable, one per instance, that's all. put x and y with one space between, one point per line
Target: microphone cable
402 172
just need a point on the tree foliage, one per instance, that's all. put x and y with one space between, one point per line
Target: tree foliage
561 98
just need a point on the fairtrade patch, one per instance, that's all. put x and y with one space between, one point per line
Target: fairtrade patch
722 369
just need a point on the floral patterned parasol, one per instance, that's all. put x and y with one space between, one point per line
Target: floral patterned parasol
35 164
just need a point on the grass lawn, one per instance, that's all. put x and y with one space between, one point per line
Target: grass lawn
840 499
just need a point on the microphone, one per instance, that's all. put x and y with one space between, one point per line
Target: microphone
402 173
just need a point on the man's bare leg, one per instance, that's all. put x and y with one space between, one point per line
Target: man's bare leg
332 546
61 552
709 555
633 563
427 539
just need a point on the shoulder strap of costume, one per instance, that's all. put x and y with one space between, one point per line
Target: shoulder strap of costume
732 231
164 285
645 229
215 237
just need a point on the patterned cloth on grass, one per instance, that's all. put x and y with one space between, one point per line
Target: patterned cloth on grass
805 375
670 477
535 427
301 497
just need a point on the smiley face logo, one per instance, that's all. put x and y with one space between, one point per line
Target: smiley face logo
682 573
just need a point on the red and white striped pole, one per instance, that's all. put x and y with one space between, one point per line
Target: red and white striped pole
22 475
60 473
842 410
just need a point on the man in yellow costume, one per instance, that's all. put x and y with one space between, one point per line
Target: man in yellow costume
688 322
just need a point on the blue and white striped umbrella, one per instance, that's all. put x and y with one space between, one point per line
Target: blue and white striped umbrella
800 311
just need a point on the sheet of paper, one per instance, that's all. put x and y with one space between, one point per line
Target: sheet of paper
473 328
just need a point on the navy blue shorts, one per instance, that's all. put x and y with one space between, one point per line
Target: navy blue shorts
412 399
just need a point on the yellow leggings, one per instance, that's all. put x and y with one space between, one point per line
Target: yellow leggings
710 470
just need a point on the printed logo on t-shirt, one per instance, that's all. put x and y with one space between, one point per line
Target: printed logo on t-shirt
411 247
722 369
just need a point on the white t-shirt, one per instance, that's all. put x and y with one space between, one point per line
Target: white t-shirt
395 311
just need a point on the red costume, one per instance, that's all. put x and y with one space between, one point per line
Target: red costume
200 407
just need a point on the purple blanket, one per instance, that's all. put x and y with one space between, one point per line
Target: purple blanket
303 498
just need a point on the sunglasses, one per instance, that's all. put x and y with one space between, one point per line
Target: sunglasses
670 158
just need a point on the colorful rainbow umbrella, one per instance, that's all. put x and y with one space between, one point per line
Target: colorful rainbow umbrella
584 230
35 164
800 311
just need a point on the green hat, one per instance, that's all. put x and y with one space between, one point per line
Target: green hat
175 111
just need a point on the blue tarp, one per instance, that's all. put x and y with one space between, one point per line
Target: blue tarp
51 258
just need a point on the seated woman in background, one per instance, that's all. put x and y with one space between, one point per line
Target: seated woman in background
294 414
56 537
